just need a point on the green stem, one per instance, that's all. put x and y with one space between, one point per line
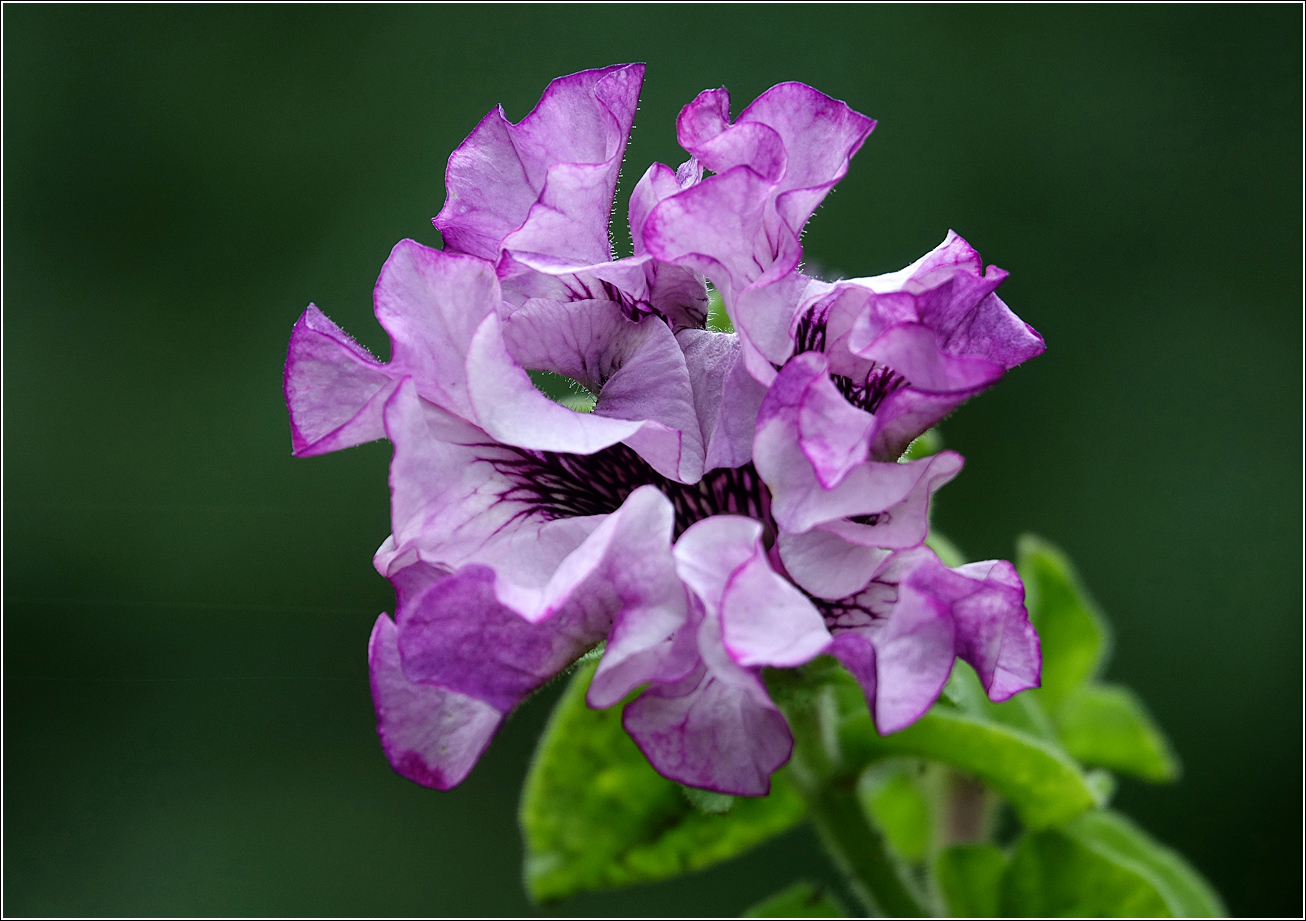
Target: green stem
859 850
828 784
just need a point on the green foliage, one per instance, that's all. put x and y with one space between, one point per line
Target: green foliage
801 900
1102 865
1073 633
561 389
900 806
1042 783
1052 875
717 319
1185 891
1107 725
595 814
1100 724
1021 712
969 877
926 445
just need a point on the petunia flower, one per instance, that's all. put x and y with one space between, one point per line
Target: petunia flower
451 335
741 227
535 198
905 349
726 506
510 564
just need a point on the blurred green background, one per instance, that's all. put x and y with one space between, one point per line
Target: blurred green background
187 726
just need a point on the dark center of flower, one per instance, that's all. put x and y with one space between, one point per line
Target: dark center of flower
554 486
866 391
869 391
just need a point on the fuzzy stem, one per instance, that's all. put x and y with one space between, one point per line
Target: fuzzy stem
851 838
859 850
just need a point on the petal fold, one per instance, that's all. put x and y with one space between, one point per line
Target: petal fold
555 169
430 735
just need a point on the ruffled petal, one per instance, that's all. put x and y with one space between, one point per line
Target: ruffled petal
453 503
969 317
513 411
914 651
716 227
900 635
931 336
897 637
570 145
430 302
726 396
590 341
888 500
430 735
833 435
334 389
826 565
993 630
708 733
799 139
819 136
912 350
764 619
457 634
703 128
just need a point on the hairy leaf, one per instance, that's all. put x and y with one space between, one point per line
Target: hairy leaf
1102 864
1185 891
595 815
1106 725
1053 875
1073 634
1022 712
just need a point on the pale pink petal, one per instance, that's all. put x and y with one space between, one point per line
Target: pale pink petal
709 734
430 735
496 177
334 389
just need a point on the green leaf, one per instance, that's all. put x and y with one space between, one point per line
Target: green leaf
595 815
801 900
1103 864
900 807
1054 875
717 319
1041 782
1185 891
1107 725
1074 635
969 877
929 443
560 389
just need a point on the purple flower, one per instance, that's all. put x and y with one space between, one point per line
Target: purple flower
726 506
451 334
907 348
741 227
